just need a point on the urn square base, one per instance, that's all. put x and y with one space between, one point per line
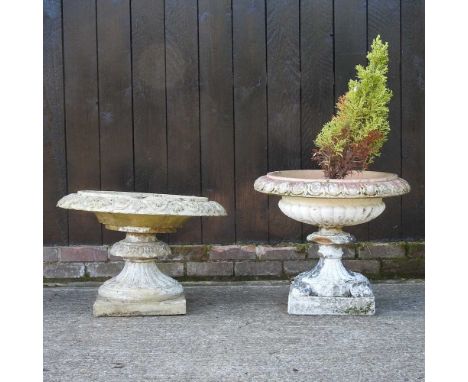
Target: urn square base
314 305
104 307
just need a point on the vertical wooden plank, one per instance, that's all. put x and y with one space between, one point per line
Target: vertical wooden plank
412 94
149 95
350 50
384 19
216 116
250 118
183 107
81 111
115 99
317 75
55 220
284 134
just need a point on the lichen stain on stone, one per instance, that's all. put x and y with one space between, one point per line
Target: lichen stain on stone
354 310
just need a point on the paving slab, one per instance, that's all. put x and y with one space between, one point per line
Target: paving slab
235 332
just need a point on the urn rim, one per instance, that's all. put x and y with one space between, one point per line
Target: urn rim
140 203
314 184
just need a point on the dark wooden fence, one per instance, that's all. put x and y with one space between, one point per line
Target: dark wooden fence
201 98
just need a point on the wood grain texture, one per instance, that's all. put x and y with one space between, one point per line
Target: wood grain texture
81 111
317 76
55 220
149 95
384 19
350 50
412 109
202 97
183 127
217 116
250 111
54 154
115 99
284 133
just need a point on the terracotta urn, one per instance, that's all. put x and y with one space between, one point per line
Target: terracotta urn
141 288
331 204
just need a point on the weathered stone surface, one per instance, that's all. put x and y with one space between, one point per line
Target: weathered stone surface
232 252
171 269
279 253
311 184
367 267
63 270
403 268
141 203
50 254
189 252
220 268
111 257
141 246
109 269
294 267
103 307
415 250
381 250
313 305
348 252
261 268
330 278
83 253
139 289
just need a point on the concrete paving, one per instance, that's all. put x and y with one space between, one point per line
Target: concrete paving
235 332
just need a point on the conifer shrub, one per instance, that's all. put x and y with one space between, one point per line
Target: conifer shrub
354 136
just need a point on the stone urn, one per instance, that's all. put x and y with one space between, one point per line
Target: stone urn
140 288
331 204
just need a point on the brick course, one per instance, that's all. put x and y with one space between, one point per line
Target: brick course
294 267
408 268
63 270
279 253
260 268
415 250
232 252
189 252
83 253
109 269
210 269
381 250
375 260
172 269
369 268
50 254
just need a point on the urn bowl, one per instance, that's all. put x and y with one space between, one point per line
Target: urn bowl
309 197
141 212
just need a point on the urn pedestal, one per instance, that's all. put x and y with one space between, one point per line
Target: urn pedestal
331 204
140 288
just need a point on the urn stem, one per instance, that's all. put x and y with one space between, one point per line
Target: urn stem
133 237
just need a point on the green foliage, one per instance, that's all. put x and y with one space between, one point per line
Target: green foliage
355 135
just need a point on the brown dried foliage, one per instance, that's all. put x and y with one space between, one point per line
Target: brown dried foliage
355 156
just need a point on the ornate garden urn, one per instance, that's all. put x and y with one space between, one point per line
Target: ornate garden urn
331 204
141 288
